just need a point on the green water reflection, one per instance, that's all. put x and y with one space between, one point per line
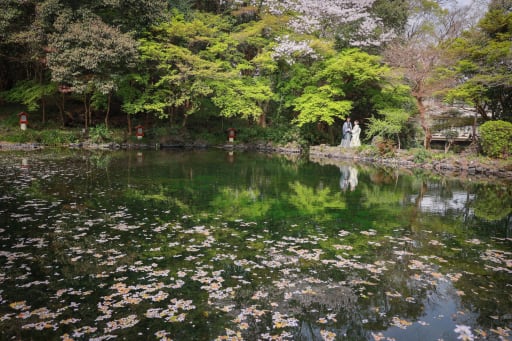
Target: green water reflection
212 245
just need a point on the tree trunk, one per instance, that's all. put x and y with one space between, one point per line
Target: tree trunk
39 72
262 120
43 106
109 99
170 114
480 109
86 113
129 121
89 110
423 122
473 129
447 145
60 105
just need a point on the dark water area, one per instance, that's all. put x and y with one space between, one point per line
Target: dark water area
213 245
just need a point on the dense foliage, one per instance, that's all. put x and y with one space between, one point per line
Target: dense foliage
484 64
305 64
496 141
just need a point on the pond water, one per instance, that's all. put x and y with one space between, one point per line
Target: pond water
212 245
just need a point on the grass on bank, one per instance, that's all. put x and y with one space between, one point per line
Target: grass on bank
53 134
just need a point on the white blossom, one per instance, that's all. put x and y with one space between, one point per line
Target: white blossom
464 332
290 50
324 18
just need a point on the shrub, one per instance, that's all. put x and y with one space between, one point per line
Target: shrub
496 138
291 134
100 134
24 136
10 120
385 146
118 135
55 137
159 132
421 155
251 134
279 134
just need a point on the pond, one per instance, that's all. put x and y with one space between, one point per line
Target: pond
218 245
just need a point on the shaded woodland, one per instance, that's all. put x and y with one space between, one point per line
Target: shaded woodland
299 67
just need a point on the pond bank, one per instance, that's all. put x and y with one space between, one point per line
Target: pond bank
457 165
264 147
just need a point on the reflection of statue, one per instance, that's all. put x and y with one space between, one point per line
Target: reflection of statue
344 175
352 179
231 156
24 163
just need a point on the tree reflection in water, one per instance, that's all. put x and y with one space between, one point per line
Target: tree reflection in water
183 246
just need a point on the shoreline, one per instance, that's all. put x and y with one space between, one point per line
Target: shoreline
262 147
458 166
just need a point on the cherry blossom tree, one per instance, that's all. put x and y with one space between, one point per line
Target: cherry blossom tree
290 50
344 20
351 22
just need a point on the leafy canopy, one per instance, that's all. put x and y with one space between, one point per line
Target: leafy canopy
337 84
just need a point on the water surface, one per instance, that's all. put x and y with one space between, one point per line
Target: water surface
212 245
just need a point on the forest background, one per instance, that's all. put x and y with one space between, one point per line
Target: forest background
277 71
